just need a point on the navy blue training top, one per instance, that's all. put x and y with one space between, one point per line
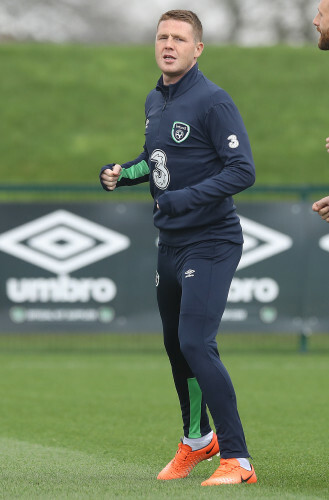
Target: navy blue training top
196 156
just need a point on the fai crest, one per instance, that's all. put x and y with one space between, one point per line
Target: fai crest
180 131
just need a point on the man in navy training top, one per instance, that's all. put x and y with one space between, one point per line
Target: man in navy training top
196 156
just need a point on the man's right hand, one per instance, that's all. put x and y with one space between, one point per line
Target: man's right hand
110 177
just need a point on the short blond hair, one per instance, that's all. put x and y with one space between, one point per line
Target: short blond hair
188 17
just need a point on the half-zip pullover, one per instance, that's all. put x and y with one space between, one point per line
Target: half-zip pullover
196 156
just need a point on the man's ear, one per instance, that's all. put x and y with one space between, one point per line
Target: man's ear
199 49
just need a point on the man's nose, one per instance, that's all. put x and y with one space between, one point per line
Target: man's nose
169 42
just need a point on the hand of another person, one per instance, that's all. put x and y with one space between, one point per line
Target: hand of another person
322 207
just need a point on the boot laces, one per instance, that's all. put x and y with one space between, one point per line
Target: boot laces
181 453
225 467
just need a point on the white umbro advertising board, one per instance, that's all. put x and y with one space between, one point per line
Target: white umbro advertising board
91 267
82 267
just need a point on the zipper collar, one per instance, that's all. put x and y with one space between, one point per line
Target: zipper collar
178 88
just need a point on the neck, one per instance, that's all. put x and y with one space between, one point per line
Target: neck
172 79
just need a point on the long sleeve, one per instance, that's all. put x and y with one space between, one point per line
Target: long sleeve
133 172
229 137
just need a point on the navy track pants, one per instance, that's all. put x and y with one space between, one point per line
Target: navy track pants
192 288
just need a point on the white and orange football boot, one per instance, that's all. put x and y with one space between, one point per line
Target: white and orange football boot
185 459
231 472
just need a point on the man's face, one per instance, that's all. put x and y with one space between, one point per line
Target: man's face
176 49
321 22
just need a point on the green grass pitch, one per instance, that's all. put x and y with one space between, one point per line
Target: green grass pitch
97 417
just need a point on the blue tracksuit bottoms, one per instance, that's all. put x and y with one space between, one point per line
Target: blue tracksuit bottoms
192 288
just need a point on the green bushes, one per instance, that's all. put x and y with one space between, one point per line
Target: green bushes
67 110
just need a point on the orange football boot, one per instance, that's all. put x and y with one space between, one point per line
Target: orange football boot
231 472
186 459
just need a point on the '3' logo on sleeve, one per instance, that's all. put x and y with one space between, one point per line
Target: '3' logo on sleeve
234 143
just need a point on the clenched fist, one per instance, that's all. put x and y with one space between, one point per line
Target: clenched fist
110 177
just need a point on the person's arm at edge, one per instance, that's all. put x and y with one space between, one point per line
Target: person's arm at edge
322 206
